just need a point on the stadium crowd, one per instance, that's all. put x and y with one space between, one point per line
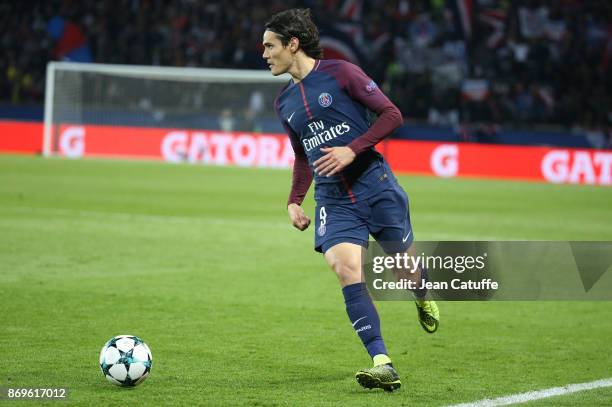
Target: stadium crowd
513 63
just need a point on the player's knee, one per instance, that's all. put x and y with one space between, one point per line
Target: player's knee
347 271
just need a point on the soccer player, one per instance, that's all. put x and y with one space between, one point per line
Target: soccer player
324 111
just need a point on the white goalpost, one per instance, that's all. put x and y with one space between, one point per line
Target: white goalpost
117 106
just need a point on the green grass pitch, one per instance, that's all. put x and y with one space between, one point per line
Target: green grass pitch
202 263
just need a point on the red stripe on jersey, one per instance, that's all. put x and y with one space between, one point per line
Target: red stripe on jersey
305 102
348 189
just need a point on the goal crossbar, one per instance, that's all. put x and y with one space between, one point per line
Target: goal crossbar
186 74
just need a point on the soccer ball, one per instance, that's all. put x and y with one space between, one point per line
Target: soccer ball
126 360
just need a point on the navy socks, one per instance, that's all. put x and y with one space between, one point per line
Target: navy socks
364 317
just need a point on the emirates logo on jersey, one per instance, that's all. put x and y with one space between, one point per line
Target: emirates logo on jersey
321 133
325 99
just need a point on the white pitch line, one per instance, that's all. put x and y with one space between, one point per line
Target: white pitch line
538 394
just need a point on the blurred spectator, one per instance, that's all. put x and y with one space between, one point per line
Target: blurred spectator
226 120
519 63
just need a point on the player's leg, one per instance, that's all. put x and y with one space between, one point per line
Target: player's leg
345 260
389 223
427 310
341 234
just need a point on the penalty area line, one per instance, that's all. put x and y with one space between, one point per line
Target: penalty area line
538 394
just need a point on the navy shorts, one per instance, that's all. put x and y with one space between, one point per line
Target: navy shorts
385 216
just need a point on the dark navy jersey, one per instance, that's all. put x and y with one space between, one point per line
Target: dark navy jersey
329 108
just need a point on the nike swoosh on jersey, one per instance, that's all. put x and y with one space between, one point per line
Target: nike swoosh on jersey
407 236
290 117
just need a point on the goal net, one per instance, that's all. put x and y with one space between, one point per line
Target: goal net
216 116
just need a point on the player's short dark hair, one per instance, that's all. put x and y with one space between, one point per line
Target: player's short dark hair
297 23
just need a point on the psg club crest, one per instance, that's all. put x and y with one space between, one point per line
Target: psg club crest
325 99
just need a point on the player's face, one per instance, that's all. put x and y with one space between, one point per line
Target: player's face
278 57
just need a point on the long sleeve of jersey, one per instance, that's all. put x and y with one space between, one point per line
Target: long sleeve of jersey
364 90
302 175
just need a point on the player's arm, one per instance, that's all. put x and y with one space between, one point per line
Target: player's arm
364 90
300 182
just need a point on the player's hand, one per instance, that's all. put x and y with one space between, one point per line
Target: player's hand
334 160
298 217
